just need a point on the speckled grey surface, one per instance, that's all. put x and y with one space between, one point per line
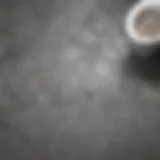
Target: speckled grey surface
71 86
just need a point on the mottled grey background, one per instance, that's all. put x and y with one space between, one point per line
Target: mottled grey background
72 87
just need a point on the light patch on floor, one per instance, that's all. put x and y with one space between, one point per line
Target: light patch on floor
102 69
109 54
74 81
92 81
44 99
34 84
71 54
82 67
99 27
88 37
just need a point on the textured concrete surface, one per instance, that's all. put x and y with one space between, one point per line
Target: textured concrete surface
71 87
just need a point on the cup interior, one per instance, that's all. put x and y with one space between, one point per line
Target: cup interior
147 22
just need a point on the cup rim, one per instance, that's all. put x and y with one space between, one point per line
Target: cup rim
129 22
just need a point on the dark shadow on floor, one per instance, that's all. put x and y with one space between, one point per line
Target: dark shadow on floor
144 67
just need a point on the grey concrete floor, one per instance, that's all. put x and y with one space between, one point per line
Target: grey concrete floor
71 86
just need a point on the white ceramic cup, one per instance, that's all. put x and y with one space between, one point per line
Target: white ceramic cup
132 15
